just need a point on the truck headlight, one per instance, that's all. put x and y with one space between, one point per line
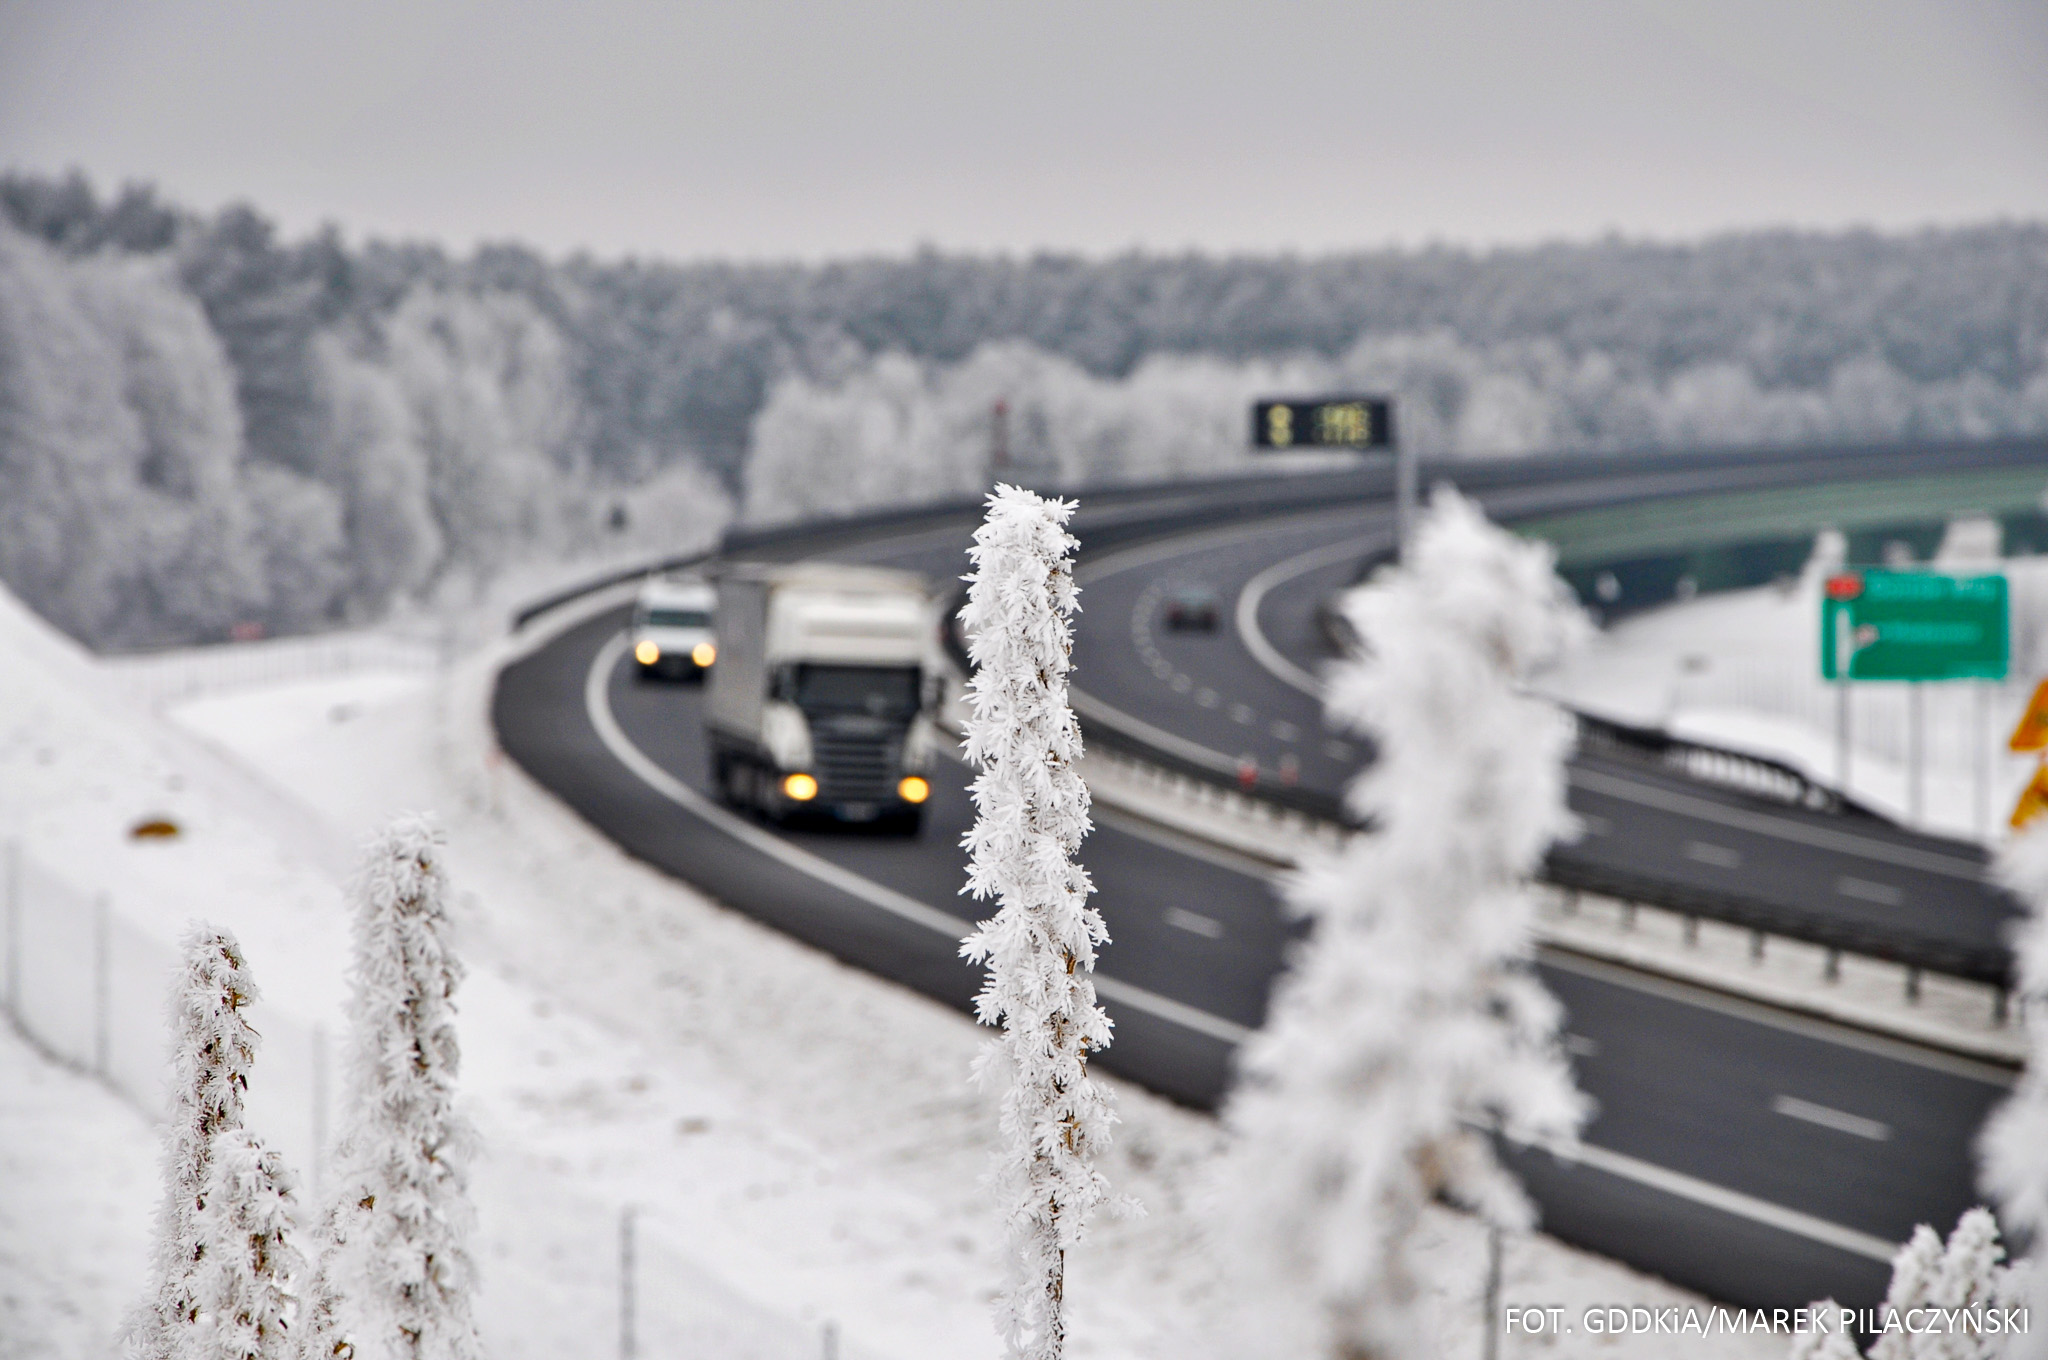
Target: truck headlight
913 788
703 654
646 652
799 788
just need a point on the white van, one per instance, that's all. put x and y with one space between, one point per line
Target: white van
672 628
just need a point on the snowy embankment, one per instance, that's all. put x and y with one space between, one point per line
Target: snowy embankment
799 1138
1742 670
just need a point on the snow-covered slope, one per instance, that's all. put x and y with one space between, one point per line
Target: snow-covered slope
799 1138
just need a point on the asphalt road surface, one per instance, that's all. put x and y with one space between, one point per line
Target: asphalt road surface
1764 1158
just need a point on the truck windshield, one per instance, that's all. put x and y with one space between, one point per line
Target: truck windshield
675 618
879 691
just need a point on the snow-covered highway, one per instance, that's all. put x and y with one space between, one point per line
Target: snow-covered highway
1695 1172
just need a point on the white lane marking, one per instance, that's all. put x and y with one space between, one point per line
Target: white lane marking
1841 1121
597 704
1255 591
1237 862
1734 1202
1183 683
1761 1013
1208 927
1242 715
1338 750
1284 731
1784 829
1595 825
1884 894
1647 795
1207 698
1719 856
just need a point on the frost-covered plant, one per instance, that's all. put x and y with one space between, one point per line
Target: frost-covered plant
2014 1145
394 1273
212 1048
1410 1023
245 1285
1962 1278
1031 813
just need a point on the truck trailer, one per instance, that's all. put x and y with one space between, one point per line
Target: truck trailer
821 704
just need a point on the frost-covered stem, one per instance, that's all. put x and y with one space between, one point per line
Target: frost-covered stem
1411 1018
245 1294
1031 814
213 1047
2014 1145
394 1258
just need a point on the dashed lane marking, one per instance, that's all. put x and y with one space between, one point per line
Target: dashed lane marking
1864 890
1718 856
597 705
1841 1121
1208 927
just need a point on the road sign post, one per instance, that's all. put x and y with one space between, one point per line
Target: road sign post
1911 626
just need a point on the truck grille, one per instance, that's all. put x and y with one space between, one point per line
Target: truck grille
857 767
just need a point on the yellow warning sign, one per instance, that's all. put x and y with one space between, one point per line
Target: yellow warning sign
2031 733
2033 798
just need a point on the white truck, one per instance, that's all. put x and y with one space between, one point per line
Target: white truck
672 636
824 693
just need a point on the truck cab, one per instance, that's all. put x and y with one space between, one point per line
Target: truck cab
673 637
822 701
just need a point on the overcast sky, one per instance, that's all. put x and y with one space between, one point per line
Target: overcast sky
767 129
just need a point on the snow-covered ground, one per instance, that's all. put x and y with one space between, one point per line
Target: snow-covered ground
799 1138
1742 670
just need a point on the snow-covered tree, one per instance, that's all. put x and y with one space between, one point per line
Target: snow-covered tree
394 1276
1966 1274
1410 1022
245 1284
2014 1145
212 1047
1031 813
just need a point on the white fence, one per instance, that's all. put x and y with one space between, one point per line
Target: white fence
169 677
91 987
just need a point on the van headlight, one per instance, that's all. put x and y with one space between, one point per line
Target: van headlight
703 654
646 652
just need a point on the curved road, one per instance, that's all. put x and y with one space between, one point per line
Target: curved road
1762 1157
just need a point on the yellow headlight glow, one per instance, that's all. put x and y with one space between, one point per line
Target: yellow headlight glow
646 653
703 654
913 789
800 787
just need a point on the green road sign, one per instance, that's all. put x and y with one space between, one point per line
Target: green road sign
1912 625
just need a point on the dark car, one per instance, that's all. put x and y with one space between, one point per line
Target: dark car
1192 609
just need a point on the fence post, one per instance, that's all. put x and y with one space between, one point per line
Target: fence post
319 1111
101 984
628 1342
13 886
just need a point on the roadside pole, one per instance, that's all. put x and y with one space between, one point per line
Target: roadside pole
1979 744
629 1341
1916 737
1404 498
1844 651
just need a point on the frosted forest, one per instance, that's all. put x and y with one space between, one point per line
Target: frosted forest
208 430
